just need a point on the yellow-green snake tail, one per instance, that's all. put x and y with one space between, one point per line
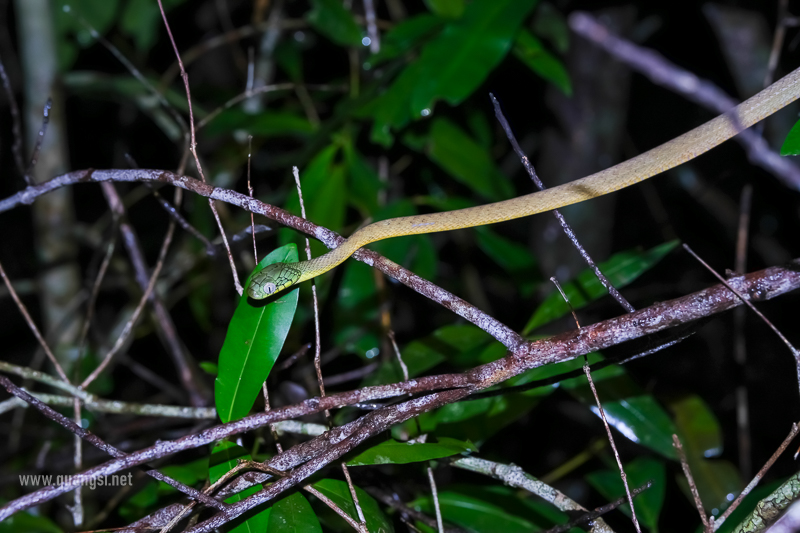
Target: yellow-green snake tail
279 276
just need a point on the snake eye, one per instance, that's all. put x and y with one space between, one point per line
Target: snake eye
269 288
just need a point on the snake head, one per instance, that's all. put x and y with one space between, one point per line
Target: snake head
272 279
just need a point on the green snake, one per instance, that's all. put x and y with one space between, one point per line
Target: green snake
279 276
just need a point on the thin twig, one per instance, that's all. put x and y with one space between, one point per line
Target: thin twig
186 367
687 472
193 148
330 503
96 441
435 497
317 347
16 127
116 407
362 520
403 366
39 140
126 331
498 111
667 74
761 473
600 511
622 474
740 343
747 302
555 282
32 325
250 191
600 409
777 40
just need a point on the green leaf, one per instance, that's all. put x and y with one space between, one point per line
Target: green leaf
209 368
224 457
701 437
791 146
457 61
24 521
639 471
451 148
622 269
510 255
364 183
293 514
339 492
701 433
255 337
532 52
451 9
263 124
394 452
324 194
638 416
451 66
474 514
404 37
331 19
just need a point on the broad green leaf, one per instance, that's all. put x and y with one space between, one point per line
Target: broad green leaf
791 146
532 52
639 471
457 61
293 514
451 148
451 9
512 256
324 194
255 337
718 482
475 508
224 457
622 269
474 514
701 437
638 416
364 184
209 368
394 452
263 124
339 492
451 66
404 37
701 433
332 20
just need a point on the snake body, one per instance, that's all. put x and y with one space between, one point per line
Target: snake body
279 276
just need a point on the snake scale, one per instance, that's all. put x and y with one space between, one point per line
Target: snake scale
280 276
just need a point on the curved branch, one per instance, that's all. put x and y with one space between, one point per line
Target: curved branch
329 238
